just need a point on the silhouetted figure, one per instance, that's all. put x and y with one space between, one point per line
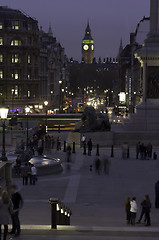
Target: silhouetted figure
157 195
69 153
137 150
127 209
89 144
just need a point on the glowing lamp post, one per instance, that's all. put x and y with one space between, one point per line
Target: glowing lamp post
60 95
3 114
27 110
46 104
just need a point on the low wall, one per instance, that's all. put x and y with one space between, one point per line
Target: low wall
107 139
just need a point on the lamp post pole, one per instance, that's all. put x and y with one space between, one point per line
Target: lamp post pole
27 110
46 104
60 96
3 113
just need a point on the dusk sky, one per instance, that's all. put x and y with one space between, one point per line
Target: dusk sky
109 20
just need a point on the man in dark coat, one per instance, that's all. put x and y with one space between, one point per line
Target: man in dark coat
17 204
157 195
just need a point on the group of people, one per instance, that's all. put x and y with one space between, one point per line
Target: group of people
10 205
131 209
144 152
101 165
29 171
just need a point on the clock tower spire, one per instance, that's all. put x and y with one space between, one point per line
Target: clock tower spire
88 46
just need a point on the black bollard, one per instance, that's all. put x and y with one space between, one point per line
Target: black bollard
74 151
64 147
97 154
112 151
84 148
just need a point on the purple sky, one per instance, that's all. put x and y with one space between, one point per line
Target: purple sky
109 20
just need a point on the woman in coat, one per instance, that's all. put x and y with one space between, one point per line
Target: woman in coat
133 210
5 210
127 209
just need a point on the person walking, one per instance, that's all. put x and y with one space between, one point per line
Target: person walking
143 210
33 174
25 172
157 195
137 150
97 165
83 140
147 210
133 210
17 201
89 144
6 209
149 151
69 153
127 209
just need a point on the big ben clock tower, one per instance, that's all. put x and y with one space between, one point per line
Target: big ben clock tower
88 46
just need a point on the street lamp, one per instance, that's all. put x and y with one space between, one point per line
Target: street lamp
27 110
46 104
3 114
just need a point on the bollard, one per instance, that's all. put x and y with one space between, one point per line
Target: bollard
53 202
74 151
112 151
84 148
97 154
128 153
64 148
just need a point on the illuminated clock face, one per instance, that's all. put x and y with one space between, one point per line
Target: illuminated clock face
92 47
85 47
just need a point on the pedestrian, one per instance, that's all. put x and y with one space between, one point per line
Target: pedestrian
33 174
17 201
157 195
97 166
142 151
52 142
133 210
127 209
29 173
83 140
155 156
58 143
149 151
143 210
89 144
6 208
18 166
147 210
25 172
137 150
69 153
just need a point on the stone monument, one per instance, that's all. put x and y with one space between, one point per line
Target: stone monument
146 117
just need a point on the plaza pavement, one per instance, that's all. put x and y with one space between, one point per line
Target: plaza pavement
95 200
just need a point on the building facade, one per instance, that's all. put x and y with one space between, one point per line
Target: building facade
54 75
19 59
88 46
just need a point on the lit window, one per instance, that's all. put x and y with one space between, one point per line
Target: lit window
1 74
1 25
1 58
28 76
15 75
16 43
1 41
15 58
28 93
29 59
15 25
